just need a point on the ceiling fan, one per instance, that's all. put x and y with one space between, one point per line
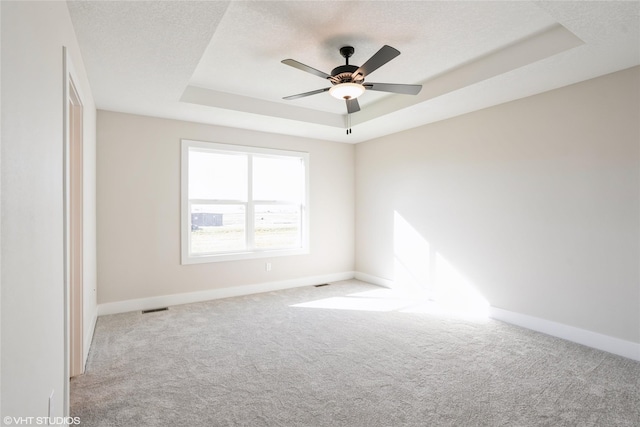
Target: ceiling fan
348 80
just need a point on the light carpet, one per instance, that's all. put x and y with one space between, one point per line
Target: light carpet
343 355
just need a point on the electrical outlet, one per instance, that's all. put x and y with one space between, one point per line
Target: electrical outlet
267 266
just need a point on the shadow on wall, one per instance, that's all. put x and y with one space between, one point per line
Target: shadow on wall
422 271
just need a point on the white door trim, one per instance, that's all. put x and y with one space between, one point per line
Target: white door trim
72 105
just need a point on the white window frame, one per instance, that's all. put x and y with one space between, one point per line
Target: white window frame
185 222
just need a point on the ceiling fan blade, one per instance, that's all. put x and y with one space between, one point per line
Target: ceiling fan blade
301 66
352 105
302 95
394 88
381 57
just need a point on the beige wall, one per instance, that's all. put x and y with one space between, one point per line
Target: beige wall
534 203
139 210
33 35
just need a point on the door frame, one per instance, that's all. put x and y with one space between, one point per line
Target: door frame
72 160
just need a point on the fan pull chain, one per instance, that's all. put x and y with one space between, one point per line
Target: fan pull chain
348 123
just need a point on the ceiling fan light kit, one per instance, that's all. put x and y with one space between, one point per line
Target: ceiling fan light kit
348 80
347 90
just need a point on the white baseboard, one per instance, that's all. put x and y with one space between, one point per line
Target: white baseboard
606 343
374 280
603 342
190 297
595 340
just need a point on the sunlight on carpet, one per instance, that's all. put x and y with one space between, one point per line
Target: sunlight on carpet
396 300
349 354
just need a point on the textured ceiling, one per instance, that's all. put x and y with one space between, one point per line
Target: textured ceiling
219 62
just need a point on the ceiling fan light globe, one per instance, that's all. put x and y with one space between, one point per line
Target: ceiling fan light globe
347 90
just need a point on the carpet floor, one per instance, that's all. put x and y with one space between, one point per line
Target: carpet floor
348 354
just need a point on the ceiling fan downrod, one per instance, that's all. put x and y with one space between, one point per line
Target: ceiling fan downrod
347 52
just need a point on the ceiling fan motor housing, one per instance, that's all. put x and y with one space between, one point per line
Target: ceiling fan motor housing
344 74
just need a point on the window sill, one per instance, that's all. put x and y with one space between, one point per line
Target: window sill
238 256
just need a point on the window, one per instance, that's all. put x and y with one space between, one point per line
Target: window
242 202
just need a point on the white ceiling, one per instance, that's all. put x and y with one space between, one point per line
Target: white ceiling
218 62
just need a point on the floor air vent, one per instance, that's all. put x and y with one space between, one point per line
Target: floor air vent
324 284
153 310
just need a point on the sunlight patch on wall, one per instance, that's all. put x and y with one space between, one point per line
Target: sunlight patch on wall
455 292
424 282
422 271
412 262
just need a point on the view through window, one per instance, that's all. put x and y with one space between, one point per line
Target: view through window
242 202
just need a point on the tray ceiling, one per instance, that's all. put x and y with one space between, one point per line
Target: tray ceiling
219 62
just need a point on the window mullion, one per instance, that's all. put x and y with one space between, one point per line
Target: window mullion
188 216
250 209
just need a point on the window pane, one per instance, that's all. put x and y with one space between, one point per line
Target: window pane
278 178
240 202
277 226
217 176
217 228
